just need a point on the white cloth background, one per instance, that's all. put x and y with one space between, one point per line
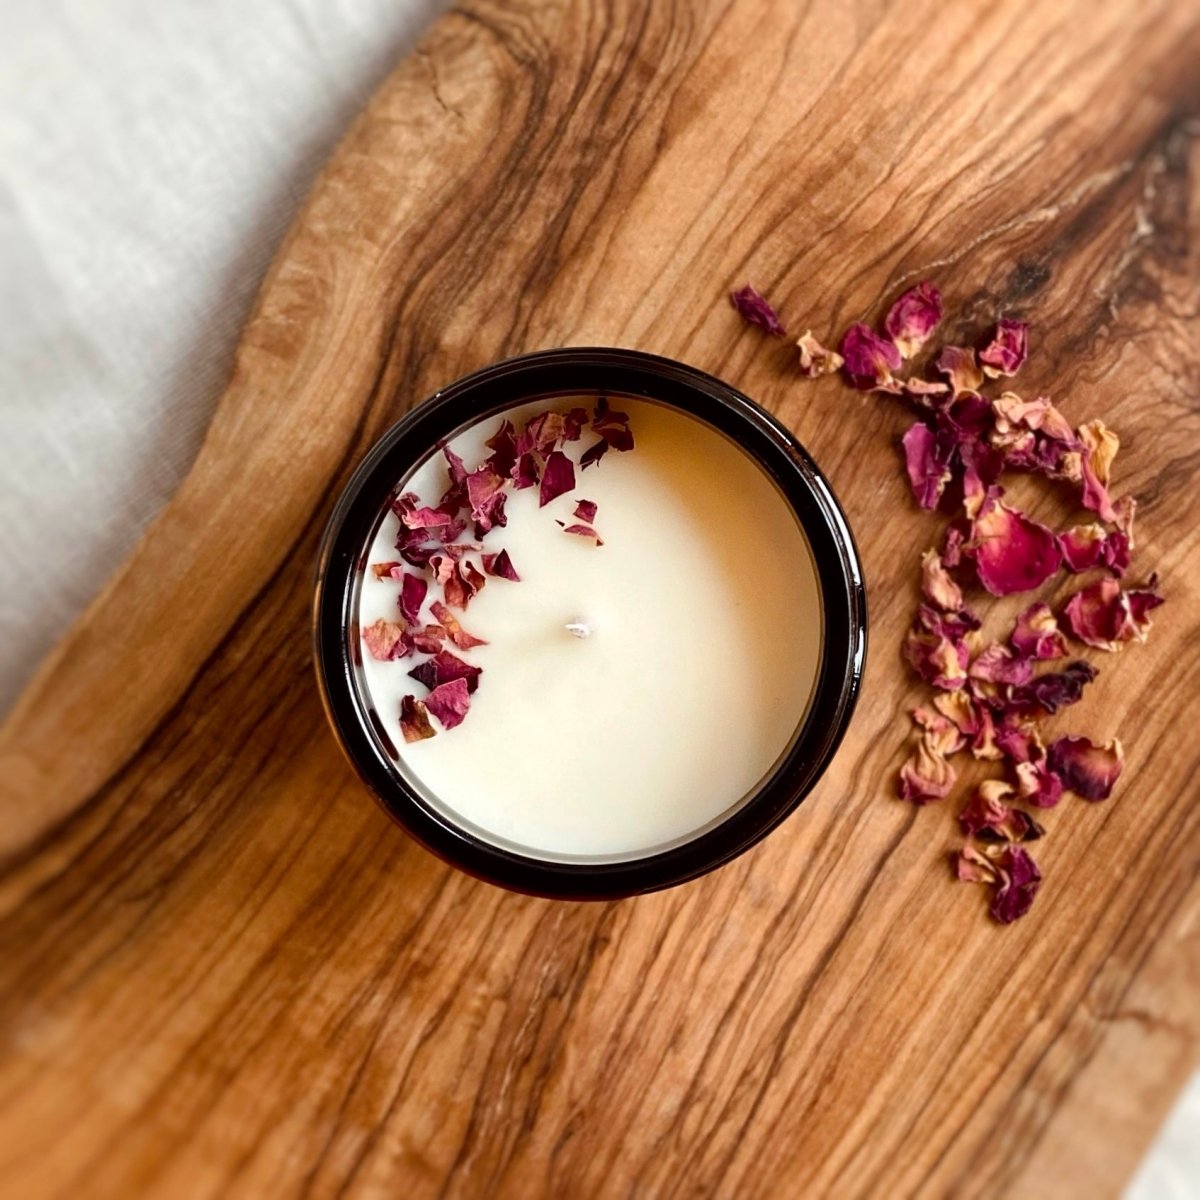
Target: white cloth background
152 153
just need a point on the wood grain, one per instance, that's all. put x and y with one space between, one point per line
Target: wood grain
223 973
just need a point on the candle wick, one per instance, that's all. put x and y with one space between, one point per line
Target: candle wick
579 629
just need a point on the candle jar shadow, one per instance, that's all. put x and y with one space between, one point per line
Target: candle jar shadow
802 725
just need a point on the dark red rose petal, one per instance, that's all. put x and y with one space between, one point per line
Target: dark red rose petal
573 423
869 359
1038 784
457 468
412 596
1054 690
414 720
387 640
449 702
501 566
557 479
486 496
1007 350
444 667
1088 770
913 318
585 510
593 454
988 817
754 308
503 446
1018 880
927 463
526 472
454 630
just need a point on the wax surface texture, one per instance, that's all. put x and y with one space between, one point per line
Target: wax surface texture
703 642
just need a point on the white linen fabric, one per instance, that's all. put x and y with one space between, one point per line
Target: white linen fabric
152 153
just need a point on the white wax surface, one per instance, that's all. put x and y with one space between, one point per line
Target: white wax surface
703 606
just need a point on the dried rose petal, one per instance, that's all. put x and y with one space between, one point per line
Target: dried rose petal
526 472
585 510
593 454
923 391
970 866
937 585
557 478
1018 880
945 737
449 702
1012 552
816 359
927 463
754 308
541 434
938 656
973 721
926 775
582 531
958 364
1007 350
414 720
1102 445
998 664
952 543
460 581
1105 616
1020 742
868 358
1086 769
1014 414
387 640
486 496
1038 784
988 817
388 570
412 596
1095 495
914 317
444 667
428 640
503 446
457 468
1036 634
1054 690
501 566
573 423
454 630
1082 546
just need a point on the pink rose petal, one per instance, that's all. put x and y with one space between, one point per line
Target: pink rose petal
868 358
913 318
1088 770
449 702
755 309
1007 350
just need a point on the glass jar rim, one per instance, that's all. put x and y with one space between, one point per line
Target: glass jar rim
546 375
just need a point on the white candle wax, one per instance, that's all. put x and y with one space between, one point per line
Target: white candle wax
632 693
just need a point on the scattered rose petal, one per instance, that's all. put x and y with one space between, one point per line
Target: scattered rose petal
869 359
1053 690
1018 880
541 434
937 585
458 469
1007 350
1014 414
414 720
1012 552
990 818
970 866
1102 445
927 463
454 630
1036 634
449 702
1086 769
754 308
486 496
998 664
952 543
444 667
503 446
923 391
816 359
585 510
428 640
412 596
526 471
1082 546
557 478
926 775
1038 783
573 423
387 640
936 652
913 318
501 566
945 737
593 454
582 531
1106 616
958 364
388 570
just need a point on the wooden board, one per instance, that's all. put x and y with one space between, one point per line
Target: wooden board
224 973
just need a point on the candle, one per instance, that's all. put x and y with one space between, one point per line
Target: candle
632 692
648 700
